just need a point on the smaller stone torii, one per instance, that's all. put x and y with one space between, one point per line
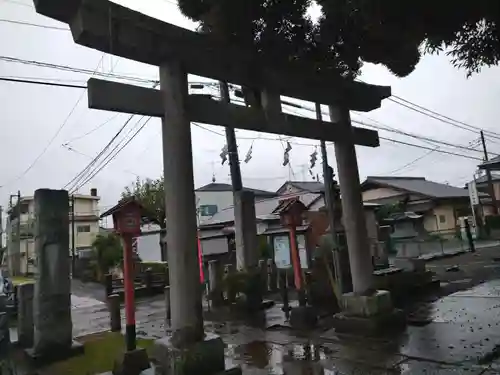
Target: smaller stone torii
111 28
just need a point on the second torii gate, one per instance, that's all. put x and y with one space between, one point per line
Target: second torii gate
111 28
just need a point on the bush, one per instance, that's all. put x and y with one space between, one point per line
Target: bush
156 267
492 221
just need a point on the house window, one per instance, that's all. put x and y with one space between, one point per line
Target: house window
442 219
208 209
83 229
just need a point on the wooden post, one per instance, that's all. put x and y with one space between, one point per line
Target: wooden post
115 320
108 284
297 270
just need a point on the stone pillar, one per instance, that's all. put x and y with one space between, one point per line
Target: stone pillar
245 235
182 253
25 327
168 309
52 299
272 275
215 279
352 207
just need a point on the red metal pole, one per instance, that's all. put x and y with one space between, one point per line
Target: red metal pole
297 271
200 261
128 277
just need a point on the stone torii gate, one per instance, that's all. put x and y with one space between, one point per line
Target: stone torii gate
111 28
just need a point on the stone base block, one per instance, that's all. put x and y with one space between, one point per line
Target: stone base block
203 357
376 304
390 322
303 318
132 363
410 264
55 354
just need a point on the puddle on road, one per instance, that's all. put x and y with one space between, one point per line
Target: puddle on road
259 357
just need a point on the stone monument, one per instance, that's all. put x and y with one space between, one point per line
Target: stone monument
53 338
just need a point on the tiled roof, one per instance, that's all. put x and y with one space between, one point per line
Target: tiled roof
417 185
263 208
309 186
215 186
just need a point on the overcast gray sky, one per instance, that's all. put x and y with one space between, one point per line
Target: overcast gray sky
31 115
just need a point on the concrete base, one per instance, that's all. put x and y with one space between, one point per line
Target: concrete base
391 322
303 318
372 314
55 354
378 303
132 363
204 357
410 264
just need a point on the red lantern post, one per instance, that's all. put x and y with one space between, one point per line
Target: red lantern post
291 211
127 223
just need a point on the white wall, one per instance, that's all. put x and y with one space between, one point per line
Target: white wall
374 194
222 199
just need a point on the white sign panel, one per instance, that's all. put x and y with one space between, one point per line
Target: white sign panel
473 195
282 251
301 244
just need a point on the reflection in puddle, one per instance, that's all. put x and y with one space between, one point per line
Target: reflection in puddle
270 358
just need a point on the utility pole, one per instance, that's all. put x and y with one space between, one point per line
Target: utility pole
232 147
18 234
1 227
72 235
488 175
244 204
330 205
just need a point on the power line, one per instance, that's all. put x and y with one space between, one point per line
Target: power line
92 130
431 149
62 125
17 3
73 182
44 83
384 138
69 148
426 139
437 116
33 24
475 128
416 136
77 70
89 178
412 162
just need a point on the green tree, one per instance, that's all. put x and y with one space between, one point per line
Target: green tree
394 33
108 253
151 195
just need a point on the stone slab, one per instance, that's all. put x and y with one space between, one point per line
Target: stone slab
54 355
378 303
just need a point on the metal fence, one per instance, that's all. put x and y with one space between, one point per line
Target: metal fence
439 242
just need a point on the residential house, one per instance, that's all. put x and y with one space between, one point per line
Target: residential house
214 197
86 224
483 187
291 187
440 204
217 233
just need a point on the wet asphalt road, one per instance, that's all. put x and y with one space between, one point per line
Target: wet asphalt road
450 334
